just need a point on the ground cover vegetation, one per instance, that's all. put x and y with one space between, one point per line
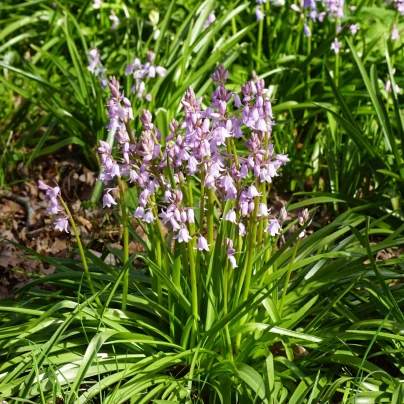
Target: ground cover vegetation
243 240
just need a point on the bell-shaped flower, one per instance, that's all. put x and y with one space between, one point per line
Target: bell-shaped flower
263 210
108 200
202 244
231 216
148 217
62 223
183 235
139 212
273 227
259 14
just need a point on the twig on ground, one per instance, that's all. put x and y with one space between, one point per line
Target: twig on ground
23 201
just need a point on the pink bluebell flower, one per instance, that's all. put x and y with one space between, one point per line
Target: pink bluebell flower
141 72
202 244
62 223
259 14
336 46
230 253
231 216
273 227
95 66
354 28
303 218
283 214
183 235
210 20
395 34
108 200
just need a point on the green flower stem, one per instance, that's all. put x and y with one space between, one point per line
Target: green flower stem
159 241
202 200
190 257
153 278
251 246
210 217
234 26
392 53
81 249
265 188
299 34
176 277
160 244
158 262
225 308
192 268
336 55
308 90
160 236
201 223
263 199
125 243
285 289
266 236
210 313
235 155
251 250
270 249
237 237
194 303
260 35
191 225
237 246
240 282
268 21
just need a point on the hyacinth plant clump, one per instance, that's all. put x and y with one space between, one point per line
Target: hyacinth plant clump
195 179
206 183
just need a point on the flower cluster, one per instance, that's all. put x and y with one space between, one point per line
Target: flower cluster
387 86
310 10
334 8
399 6
52 195
201 146
120 113
141 72
96 66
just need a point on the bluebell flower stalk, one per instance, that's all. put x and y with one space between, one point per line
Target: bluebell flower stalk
95 66
141 72
56 206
